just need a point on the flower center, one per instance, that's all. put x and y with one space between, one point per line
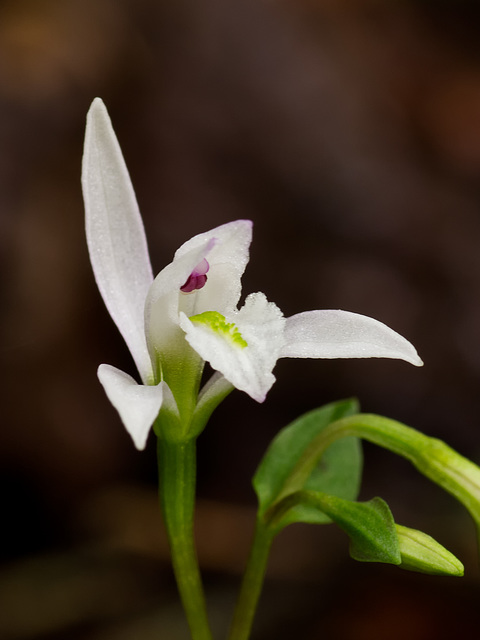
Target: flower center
215 321
197 279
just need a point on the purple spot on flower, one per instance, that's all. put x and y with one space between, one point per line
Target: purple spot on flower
197 279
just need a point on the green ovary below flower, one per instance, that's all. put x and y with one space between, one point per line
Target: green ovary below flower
190 310
216 322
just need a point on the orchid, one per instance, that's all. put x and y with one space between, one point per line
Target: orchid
189 314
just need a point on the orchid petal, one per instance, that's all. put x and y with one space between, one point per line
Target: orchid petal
227 260
226 249
115 234
342 334
164 298
138 405
248 366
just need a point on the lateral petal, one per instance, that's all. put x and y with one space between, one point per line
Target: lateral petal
115 234
165 300
342 334
227 258
226 250
138 405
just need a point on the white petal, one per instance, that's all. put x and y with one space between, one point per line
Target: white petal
227 259
115 234
342 334
164 298
261 325
138 405
226 250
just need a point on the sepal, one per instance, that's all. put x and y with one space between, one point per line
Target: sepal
332 333
115 234
138 405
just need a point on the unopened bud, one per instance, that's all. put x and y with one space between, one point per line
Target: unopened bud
420 552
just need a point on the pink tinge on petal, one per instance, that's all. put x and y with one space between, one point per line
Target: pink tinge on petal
197 279
201 269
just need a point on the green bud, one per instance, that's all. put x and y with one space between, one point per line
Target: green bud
420 552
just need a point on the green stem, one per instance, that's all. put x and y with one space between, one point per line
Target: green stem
432 457
177 473
252 583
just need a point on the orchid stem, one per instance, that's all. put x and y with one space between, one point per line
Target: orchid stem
252 584
177 474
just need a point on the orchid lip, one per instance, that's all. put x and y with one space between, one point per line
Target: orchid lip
197 279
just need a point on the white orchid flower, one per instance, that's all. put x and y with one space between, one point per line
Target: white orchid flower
188 314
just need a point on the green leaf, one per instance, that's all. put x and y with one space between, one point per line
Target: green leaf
369 525
338 472
432 457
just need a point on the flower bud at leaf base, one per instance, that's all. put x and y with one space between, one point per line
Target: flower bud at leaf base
420 552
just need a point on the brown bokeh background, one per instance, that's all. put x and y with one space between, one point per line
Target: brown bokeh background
349 132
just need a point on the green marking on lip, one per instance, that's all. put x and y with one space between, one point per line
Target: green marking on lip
217 323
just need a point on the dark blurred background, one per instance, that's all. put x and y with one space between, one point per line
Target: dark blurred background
349 132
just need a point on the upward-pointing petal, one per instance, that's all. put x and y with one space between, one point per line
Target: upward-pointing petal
227 260
162 303
342 334
115 234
